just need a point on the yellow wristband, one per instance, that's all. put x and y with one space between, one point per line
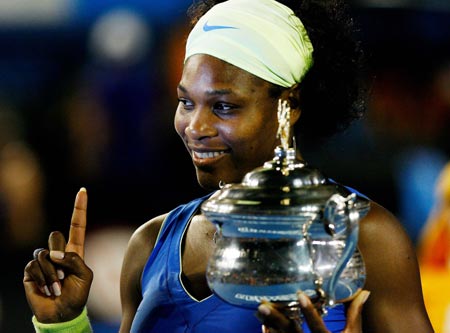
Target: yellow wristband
79 324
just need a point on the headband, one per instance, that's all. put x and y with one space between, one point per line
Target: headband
263 37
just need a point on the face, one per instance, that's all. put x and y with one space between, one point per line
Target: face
226 119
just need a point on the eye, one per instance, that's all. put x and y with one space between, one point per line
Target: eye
187 104
223 108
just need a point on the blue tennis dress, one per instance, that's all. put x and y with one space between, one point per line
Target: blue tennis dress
167 307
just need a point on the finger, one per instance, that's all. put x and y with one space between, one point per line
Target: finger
35 279
311 315
78 224
56 241
57 245
354 321
36 252
273 318
47 276
266 329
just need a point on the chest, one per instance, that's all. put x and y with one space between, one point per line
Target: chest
196 248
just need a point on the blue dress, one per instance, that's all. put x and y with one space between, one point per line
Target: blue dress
167 307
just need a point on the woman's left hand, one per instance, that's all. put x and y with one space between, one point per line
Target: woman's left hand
274 321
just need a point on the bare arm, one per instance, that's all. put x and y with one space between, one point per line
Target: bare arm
139 248
396 301
54 298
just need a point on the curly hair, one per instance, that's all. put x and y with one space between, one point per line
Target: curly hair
333 92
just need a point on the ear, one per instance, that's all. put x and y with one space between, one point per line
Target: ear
295 114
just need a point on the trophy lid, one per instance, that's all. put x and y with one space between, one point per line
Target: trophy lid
284 186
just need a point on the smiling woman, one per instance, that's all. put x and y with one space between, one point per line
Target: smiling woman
243 59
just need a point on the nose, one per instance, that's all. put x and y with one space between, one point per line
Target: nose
201 125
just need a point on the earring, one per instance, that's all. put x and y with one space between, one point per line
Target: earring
284 123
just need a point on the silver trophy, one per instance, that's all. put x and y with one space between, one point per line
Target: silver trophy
285 228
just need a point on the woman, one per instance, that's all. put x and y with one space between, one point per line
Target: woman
242 58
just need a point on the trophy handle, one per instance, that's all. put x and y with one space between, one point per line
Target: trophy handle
341 216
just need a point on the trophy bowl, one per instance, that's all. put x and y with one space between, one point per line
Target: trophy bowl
285 228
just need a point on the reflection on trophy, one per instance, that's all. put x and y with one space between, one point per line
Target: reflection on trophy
286 228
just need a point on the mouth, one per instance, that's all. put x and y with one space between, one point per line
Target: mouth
201 158
208 154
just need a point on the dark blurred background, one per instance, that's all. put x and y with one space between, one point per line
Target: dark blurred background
87 98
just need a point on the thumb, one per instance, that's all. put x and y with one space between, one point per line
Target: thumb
354 320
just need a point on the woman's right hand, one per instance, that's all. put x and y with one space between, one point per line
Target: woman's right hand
57 281
275 321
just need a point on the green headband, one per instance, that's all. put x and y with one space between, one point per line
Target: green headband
262 37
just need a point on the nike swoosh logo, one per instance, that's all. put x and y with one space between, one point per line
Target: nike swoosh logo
207 27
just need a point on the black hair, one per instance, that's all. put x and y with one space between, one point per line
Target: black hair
333 92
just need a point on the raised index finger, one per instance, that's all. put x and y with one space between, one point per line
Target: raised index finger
78 224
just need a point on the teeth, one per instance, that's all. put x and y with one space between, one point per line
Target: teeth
208 154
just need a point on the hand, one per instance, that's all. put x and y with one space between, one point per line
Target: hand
275 321
57 281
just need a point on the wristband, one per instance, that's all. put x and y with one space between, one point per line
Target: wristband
79 324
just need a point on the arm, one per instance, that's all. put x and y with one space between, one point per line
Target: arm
51 306
396 301
139 248
50 299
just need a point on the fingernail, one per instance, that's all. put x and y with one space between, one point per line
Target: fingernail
56 289
83 189
264 309
56 254
47 291
303 299
60 274
365 296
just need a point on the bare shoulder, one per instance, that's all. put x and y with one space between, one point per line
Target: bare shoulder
385 245
396 300
145 236
380 226
140 246
138 251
